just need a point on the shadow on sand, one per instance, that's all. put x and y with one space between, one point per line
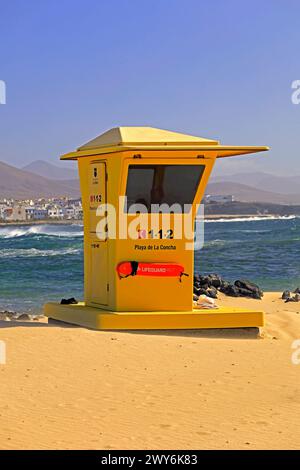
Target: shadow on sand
35 324
226 333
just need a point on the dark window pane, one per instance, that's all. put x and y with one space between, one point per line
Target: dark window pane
162 184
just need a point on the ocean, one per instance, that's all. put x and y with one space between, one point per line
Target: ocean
39 263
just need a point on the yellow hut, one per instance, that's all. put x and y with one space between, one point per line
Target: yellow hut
139 185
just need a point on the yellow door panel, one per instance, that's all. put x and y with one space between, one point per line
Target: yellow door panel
98 253
99 273
97 196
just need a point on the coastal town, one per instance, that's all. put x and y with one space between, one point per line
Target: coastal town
56 208
63 208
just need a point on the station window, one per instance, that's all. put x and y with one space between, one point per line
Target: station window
162 184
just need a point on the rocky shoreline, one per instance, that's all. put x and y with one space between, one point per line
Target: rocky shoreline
288 297
211 284
8 315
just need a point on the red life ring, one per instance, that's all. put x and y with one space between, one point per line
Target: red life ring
134 268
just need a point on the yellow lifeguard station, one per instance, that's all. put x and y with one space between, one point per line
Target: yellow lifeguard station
138 273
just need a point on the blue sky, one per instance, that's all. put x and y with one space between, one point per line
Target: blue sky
220 69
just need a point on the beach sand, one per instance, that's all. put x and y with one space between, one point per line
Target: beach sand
66 387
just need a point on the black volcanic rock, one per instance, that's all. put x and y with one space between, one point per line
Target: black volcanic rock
215 280
212 292
255 291
286 295
212 283
232 291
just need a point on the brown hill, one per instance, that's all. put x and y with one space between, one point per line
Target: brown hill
21 184
266 181
245 193
50 171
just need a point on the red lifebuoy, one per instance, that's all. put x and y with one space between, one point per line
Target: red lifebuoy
134 268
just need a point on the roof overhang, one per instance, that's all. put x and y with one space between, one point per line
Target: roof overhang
139 139
220 151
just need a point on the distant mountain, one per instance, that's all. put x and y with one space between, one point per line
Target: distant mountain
20 184
23 184
50 171
264 181
245 193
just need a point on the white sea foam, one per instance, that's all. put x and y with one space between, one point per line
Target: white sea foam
43 230
216 243
252 219
34 252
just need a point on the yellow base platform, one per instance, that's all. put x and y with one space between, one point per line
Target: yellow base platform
98 319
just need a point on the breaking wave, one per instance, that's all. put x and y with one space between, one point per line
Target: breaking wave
34 252
41 230
252 219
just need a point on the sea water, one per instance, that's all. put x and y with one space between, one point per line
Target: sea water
44 262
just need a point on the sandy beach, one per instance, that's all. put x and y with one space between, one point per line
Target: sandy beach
66 387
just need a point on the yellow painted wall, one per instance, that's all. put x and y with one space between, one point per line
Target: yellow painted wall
102 286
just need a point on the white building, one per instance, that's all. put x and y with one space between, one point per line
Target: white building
55 212
40 214
15 213
219 198
69 212
78 213
29 213
3 208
